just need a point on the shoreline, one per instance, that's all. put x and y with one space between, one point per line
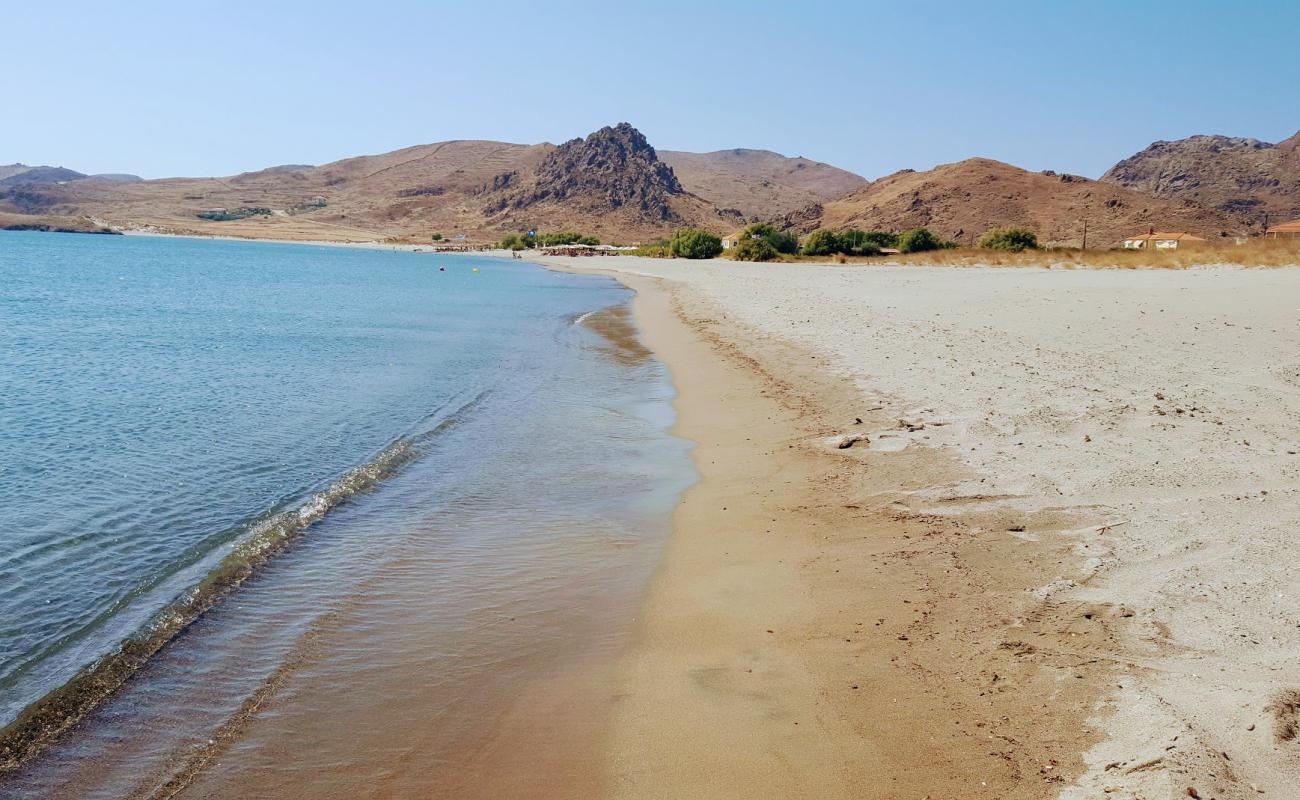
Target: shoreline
1090 667
511 731
978 260
373 245
761 666
979 532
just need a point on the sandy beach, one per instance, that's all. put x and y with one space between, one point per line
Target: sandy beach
971 532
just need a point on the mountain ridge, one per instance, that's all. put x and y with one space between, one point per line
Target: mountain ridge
611 183
615 185
1233 174
962 200
19 174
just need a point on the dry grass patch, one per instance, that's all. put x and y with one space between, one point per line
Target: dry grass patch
1255 253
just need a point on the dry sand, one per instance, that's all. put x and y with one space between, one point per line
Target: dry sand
1058 566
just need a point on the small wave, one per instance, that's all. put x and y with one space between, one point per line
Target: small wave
41 722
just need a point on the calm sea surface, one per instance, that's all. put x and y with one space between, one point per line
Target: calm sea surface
306 515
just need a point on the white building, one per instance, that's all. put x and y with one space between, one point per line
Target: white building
1159 241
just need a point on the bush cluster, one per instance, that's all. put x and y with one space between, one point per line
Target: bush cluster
920 240
781 241
567 237
517 241
234 214
523 241
693 243
822 242
1015 240
763 242
754 250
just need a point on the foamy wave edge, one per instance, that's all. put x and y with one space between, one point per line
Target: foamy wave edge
40 723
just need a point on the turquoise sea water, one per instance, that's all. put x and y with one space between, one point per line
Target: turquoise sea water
328 423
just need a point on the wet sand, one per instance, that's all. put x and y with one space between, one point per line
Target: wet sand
1056 566
811 631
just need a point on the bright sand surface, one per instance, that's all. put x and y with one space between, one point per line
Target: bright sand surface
1061 563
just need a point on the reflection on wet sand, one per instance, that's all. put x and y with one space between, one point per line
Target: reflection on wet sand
622 342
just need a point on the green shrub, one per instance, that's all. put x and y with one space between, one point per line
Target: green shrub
880 239
858 243
651 251
565 237
437 237
852 240
784 242
754 250
781 241
864 249
1013 239
693 243
822 242
517 241
918 240
234 214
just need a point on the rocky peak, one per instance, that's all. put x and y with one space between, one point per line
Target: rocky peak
613 169
616 148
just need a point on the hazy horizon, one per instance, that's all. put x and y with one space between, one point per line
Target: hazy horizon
161 91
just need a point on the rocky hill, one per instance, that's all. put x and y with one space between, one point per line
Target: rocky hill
1240 176
613 172
23 175
612 184
961 201
759 184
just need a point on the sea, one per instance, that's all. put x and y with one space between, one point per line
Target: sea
295 520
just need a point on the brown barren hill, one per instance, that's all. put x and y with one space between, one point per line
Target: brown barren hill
759 184
23 175
1241 176
610 184
963 200
403 194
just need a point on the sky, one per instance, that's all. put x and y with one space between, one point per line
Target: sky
169 89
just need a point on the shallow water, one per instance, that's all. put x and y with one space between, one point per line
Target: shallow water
446 490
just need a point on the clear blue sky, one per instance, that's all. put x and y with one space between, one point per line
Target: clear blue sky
214 88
